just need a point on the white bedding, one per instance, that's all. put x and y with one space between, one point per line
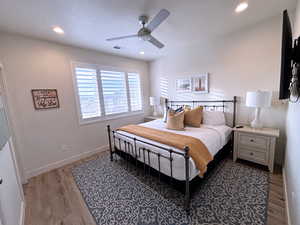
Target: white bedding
214 137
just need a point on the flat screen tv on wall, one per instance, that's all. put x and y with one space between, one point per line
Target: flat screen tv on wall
286 57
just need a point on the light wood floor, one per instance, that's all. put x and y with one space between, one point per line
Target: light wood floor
53 199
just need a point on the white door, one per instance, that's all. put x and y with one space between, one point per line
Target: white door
11 193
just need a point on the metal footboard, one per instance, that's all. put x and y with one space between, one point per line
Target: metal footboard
142 152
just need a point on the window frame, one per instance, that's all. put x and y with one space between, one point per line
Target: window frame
103 116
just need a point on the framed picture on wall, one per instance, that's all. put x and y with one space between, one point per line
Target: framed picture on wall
183 85
45 98
200 84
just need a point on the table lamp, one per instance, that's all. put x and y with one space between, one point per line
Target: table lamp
258 99
153 102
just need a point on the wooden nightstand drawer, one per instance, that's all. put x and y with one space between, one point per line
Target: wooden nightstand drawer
256 145
251 155
254 141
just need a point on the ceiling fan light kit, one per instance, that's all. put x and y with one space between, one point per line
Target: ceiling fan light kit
145 32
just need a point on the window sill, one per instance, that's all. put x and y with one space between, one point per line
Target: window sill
107 118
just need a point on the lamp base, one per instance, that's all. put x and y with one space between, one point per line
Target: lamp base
256 123
155 113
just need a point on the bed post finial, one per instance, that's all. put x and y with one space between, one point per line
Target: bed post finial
187 178
166 101
109 142
234 110
186 149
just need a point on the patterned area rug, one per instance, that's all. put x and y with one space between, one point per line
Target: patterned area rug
233 193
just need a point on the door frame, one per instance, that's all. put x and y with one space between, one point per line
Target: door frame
11 140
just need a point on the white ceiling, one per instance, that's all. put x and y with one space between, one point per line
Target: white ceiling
88 23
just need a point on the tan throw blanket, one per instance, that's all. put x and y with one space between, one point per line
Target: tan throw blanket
198 150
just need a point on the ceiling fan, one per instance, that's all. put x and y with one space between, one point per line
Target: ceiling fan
145 32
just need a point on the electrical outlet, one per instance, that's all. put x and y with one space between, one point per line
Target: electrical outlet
66 148
293 194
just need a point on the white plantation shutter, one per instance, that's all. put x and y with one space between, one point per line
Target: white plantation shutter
88 92
114 92
103 92
135 91
164 87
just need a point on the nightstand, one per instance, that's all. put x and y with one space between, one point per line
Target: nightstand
150 118
255 145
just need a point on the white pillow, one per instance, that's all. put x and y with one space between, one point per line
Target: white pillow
215 118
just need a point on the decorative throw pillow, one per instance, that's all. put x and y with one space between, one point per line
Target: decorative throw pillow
175 120
187 107
168 109
215 118
193 117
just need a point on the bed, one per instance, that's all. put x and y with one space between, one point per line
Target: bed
214 137
172 162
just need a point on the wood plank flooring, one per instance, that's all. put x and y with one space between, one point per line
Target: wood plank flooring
53 199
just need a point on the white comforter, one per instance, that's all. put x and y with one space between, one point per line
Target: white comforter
214 137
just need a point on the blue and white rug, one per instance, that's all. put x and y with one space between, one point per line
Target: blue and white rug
233 193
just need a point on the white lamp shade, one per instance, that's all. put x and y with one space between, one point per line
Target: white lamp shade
258 99
153 101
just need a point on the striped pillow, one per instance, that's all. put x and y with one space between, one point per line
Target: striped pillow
175 120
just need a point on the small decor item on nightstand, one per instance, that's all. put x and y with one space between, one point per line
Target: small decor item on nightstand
154 103
258 99
45 98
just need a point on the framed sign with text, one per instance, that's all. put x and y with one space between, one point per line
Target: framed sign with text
45 98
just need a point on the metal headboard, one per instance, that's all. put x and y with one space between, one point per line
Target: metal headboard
214 105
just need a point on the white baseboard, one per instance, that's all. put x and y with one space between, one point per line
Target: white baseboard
58 164
22 213
286 197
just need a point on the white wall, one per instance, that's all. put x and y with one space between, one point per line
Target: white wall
238 62
292 157
40 135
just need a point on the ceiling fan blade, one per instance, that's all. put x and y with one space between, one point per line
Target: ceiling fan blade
124 37
156 42
158 19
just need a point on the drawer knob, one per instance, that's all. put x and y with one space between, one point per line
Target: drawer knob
251 153
252 140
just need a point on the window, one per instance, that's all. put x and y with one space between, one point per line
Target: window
88 92
164 87
106 93
114 92
135 91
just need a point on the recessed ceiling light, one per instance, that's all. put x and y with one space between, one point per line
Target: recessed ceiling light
242 6
58 30
142 53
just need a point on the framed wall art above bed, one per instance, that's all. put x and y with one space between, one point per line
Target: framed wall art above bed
184 85
200 84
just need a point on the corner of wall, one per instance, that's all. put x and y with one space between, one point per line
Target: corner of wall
287 210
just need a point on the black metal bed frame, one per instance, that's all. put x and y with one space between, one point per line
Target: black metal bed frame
131 150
